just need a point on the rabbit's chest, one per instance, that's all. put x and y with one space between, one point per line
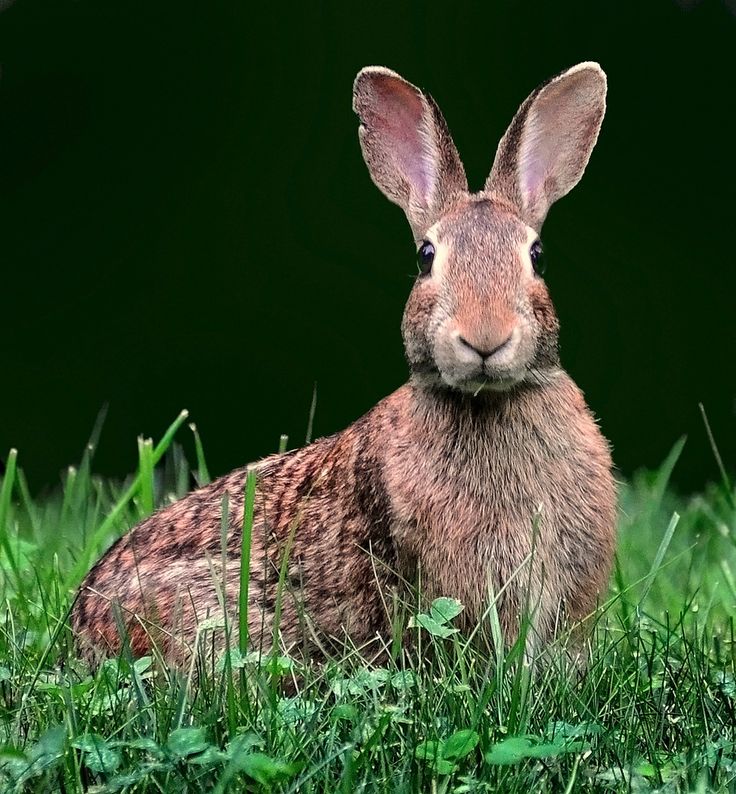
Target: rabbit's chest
489 487
472 497
471 519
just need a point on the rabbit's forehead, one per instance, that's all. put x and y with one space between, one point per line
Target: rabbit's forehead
478 235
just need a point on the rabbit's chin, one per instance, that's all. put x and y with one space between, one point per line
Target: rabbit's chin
471 385
475 386
480 383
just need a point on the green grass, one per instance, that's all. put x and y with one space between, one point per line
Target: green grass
655 710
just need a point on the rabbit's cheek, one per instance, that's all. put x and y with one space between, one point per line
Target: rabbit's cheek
545 327
418 319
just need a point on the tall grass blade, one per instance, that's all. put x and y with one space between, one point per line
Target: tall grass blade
312 412
6 492
94 438
82 565
145 472
665 470
203 473
727 486
659 556
248 512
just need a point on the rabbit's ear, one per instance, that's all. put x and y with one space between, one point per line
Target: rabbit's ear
545 150
406 145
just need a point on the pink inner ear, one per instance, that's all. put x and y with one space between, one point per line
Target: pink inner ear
541 147
558 136
400 119
532 177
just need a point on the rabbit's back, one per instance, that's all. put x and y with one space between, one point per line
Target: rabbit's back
319 506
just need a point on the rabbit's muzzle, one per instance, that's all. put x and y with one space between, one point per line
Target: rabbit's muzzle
494 360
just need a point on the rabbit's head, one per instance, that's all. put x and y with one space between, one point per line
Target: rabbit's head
479 315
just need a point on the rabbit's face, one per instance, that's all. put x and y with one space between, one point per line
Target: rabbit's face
480 316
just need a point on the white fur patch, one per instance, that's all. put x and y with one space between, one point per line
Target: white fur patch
524 255
441 254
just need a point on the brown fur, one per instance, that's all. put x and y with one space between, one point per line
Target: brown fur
451 476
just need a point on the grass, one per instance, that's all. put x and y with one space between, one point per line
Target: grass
656 710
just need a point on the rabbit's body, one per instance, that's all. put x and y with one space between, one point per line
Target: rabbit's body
484 474
453 504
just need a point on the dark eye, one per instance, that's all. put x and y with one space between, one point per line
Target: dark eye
537 257
425 257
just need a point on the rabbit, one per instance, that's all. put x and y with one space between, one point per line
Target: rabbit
484 478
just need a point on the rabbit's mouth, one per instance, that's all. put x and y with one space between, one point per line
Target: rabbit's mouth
480 382
497 382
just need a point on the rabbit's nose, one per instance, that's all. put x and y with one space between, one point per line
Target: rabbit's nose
487 350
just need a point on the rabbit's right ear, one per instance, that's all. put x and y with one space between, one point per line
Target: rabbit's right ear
545 150
406 145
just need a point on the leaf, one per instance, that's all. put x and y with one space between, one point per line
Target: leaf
725 682
210 757
345 711
186 741
241 744
50 744
433 627
443 610
131 778
237 660
552 749
113 670
460 744
264 769
517 748
443 767
428 750
362 681
645 769
97 755
370 679
142 665
278 666
296 709
12 761
146 744
211 624
509 751
404 680
432 753
582 730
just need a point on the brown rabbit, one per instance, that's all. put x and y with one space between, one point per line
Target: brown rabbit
488 446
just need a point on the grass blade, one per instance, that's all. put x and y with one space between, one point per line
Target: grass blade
719 460
312 412
145 470
659 556
248 511
5 495
203 473
82 565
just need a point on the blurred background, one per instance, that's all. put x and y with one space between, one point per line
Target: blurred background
186 220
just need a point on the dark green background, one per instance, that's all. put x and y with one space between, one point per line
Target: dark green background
186 220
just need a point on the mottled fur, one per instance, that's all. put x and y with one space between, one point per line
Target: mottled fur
487 454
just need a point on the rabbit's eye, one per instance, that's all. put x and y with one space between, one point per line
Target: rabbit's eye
537 256
425 257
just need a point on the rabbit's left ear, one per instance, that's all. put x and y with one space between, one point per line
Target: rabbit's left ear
545 150
406 145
